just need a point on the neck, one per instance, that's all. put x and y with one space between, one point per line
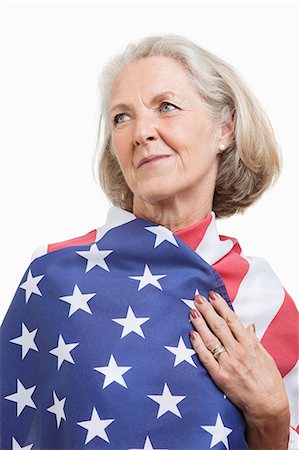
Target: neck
172 214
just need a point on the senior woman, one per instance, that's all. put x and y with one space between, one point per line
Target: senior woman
104 358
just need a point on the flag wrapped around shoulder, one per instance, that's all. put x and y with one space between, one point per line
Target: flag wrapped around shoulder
96 353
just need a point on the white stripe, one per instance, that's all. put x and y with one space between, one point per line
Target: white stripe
211 248
293 440
116 216
260 295
291 381
39 251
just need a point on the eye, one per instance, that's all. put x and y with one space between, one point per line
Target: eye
119 116
167 105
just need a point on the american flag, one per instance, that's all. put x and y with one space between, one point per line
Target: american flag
95 347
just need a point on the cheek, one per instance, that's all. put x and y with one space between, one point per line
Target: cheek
121 149
185 137
200 144
176 132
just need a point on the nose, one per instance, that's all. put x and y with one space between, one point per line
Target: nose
145 130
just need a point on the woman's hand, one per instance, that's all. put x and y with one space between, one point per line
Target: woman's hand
245 371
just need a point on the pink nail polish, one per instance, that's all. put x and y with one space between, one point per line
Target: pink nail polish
213 295
194 314
192 335
199 299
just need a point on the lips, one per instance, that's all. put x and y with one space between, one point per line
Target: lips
151 158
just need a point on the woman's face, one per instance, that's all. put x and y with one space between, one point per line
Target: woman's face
162 136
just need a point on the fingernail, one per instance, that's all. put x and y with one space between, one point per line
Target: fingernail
194 314
213 295
199 299
192 335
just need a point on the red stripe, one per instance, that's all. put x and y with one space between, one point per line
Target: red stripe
88 238
194 234
281 336
232 268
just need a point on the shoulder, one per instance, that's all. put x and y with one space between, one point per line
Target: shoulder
261 298
245 276
254 270
257 290
86 239
257 293
116 217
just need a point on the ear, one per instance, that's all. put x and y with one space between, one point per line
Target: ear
226 136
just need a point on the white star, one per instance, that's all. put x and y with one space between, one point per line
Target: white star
190 303
113 372
219 432
162 234
147 446
148 278
26 340
95 257
167 402
16 445
22 397
58 409
131 324
182 353
78 301
95 427
62 351
30 285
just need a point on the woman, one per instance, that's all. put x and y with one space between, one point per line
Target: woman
184 142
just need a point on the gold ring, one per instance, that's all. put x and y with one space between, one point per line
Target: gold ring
219 348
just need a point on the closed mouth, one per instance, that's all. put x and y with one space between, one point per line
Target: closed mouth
151 158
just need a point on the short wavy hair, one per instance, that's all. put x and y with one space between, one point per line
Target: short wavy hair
248 166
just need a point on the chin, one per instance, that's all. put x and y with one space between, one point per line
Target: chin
157 194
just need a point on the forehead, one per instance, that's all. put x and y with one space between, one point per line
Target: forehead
150 75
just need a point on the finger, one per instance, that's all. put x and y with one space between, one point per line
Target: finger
210 340
230 317
204 355
255 340
251 329
215 323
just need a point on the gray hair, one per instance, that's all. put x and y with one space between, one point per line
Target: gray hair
248 166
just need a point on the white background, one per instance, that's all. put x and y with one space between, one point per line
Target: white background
52 55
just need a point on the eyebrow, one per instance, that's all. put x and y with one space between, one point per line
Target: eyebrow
156 99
